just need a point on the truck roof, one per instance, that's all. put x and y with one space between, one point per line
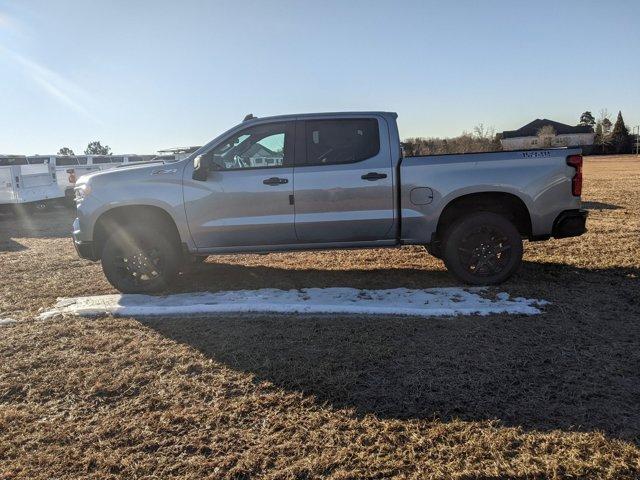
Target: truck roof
293 116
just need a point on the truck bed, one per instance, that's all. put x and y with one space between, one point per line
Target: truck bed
541 179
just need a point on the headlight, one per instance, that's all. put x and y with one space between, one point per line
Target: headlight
81 191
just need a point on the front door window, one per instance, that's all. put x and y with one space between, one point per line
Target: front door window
263 146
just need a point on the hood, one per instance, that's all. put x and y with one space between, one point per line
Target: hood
128 173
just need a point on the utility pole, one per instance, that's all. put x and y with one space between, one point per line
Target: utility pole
635 134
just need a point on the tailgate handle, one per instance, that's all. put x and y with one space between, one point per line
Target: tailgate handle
373 176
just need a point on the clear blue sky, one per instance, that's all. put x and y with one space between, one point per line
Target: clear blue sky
142 75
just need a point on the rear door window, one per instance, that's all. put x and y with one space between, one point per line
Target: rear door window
332 142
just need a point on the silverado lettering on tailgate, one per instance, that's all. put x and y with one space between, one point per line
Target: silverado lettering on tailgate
536 154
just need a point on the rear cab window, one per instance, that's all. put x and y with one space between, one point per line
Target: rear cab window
339 141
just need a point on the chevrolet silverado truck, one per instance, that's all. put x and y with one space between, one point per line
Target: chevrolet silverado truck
322 181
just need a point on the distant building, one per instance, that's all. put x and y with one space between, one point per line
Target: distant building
261 156
565 136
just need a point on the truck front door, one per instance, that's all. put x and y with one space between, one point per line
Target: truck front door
247 200
343 181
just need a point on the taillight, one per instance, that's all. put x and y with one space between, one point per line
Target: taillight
575 161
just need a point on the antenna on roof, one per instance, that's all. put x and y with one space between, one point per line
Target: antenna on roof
249 117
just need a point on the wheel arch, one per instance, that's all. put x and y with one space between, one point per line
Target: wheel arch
118 218
502 203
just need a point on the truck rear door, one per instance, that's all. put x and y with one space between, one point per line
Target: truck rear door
343 180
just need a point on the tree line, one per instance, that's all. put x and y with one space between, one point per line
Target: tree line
481 139
610 138
93 148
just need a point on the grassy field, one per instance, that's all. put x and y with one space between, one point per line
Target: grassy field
551 396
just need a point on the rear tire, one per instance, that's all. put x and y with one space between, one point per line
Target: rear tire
482 248
140 260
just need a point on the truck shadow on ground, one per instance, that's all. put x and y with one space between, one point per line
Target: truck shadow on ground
227 276
601 206
573 368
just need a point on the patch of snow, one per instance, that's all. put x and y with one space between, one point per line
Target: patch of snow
7 321
338 300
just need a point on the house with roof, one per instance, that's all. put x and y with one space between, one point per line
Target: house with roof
261 156
562 135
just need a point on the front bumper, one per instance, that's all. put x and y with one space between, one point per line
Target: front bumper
84 248
570 223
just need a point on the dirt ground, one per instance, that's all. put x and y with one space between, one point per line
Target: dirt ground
272 396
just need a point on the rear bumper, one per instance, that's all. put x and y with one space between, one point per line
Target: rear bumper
570 223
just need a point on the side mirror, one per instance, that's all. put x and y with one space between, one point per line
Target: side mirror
201 167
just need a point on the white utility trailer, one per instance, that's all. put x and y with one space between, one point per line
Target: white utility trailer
33 186
69 168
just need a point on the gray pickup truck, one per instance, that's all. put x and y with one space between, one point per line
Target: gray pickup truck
320 181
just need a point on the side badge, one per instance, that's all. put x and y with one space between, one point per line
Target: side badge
164 171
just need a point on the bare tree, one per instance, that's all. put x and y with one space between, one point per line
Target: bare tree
604 117
482 139
484 133
603 130
546 134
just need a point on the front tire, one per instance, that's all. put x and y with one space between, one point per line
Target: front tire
482 248
140 260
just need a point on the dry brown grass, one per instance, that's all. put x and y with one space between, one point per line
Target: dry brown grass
553 396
